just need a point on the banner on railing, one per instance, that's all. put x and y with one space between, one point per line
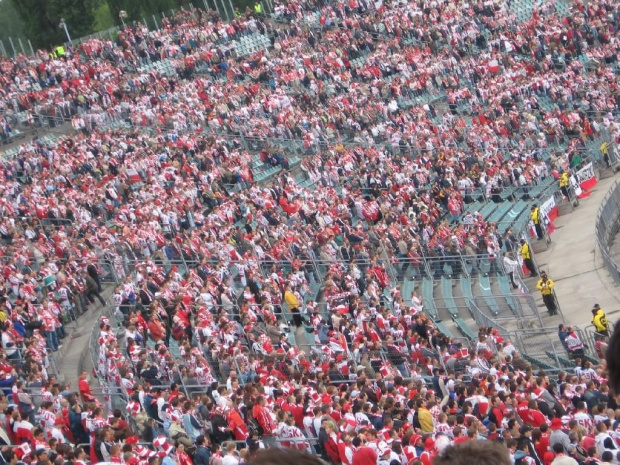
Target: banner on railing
586 173
549 208
584 180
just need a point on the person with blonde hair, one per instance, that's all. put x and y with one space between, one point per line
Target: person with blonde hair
230 454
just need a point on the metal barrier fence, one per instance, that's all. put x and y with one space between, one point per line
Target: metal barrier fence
542 347
486 321
606 228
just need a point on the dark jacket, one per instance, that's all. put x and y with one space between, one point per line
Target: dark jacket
91 284
218 436
92 271
202 456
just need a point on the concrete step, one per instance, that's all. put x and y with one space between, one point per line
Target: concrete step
606 173
75 355
531 284
457 293
540 245
565 207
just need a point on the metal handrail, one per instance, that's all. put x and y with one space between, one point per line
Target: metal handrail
517 299
486 321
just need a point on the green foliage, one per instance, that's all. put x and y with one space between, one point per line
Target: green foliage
103 18
41 19
11 26
138 9
243 4
38 26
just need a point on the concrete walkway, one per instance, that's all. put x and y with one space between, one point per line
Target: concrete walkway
74 356
574 263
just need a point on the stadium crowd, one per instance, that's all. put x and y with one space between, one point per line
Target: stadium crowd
216 274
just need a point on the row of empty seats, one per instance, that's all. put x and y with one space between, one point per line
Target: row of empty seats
246 45
165 67
466 306
13 151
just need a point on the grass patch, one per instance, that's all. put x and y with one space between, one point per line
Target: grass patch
103 17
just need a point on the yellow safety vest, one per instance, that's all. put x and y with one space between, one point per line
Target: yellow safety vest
604 148
525 252
535 215
564 179
545 290
600 321
60 51
258 8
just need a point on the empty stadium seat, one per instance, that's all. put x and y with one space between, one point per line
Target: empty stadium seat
446 294
487 293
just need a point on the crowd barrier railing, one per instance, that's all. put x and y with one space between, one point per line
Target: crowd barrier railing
544 344
606 228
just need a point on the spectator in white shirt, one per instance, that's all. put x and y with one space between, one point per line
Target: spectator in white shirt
511 268
230 456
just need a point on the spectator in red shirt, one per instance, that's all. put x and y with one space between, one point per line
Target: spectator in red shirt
236 423
459 437
541 446
156 328
84 387
534 416
496 414
331 442
362 454
544 436
264 418
523 410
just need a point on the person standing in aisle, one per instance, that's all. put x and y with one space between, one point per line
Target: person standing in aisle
93 273
564 183
526 255
545 286
599 320
536 218
511 267
92 290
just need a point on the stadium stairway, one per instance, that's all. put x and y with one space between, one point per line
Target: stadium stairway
430 308
443 313
493 297
456 306
457 302
408 286
444 304
449 302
